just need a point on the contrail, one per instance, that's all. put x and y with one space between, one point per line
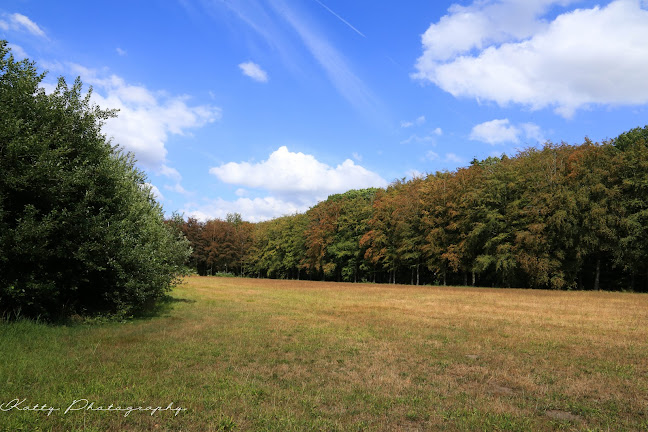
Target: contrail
341 19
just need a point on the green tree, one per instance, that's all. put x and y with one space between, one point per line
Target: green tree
80 231
632 165
351 224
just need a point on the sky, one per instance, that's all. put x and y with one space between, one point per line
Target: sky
266 107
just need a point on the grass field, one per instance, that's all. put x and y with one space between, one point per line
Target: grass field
248 354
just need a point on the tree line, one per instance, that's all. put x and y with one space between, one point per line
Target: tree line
559 217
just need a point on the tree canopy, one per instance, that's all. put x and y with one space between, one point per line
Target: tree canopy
557 217
80 231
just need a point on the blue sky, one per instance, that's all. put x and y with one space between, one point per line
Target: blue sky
266 107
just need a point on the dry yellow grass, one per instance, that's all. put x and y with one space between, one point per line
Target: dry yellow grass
249 354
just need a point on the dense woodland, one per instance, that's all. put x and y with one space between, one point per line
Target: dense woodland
560 217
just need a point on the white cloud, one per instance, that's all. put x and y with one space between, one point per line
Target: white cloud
121 52
179 189
156 192
334 64
146 118
17 51
170 172
254 71
357 156
507 52
19 22
438 131
432 155
502 131
448 157
419 139
451 157
298 177
413 174
253 210
294 181
495 132
418 122
533 132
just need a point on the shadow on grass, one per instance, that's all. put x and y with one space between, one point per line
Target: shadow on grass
161 307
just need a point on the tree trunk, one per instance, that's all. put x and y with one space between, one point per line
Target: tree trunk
444 277
473 274
417 274
465 278
598 275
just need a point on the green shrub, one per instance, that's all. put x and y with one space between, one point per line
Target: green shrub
80 231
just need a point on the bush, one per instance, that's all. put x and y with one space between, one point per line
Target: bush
80 231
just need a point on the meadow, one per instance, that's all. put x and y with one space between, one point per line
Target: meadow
275 355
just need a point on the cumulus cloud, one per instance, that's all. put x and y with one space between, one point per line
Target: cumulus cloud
293 182
121 52
298 177
19 22
506 51
500 131
252 209
254 71
146 118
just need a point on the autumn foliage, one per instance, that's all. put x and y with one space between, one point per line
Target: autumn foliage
559 217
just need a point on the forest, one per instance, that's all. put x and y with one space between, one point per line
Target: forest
557 217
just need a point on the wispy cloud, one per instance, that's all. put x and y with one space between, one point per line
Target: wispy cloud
254 71
341 19
334 64
449 157
20 22
277 22
17 51
418 122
